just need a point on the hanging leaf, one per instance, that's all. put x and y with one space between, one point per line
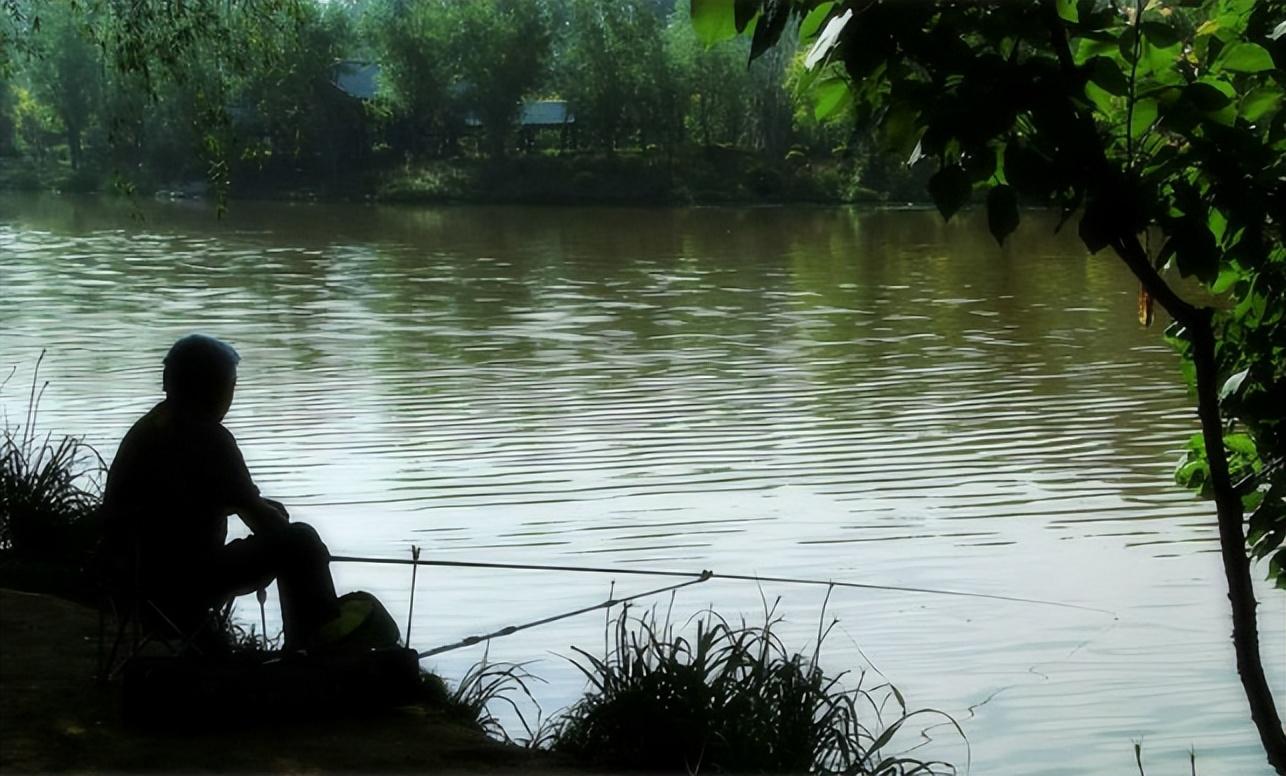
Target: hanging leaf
742 12
950 189
1002 212
768 30
827 40
813 21
713 20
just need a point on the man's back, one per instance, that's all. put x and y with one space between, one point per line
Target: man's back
171 487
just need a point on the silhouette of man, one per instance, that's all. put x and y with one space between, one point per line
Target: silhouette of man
176 479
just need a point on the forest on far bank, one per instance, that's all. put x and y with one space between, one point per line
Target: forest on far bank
488 100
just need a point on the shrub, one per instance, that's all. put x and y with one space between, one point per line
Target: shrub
730 699
48 490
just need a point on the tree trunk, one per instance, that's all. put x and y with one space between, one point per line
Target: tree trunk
1232 545
1232 537
73 145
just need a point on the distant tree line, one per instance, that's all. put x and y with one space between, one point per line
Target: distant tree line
260 98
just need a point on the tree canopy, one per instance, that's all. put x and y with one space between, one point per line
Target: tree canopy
159 93
1158 127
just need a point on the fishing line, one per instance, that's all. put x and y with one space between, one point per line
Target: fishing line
610 602
715 575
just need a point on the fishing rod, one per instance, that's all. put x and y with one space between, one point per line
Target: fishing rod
712 575
610 602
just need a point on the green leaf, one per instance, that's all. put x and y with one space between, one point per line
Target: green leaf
1244 58
833 95
1107 75
950 189
1145 112
1241 444
1260 102
1217 222
1101 98
1207 28
813 21
713 20
1160 62
1208 95
1193 474
1228 277
1088 48
1160 34
1002 212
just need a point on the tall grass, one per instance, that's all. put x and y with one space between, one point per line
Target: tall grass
731 698
48 488
484 688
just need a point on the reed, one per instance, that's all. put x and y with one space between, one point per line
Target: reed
486 687
730 698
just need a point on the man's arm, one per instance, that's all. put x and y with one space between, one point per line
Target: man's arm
231 483
264 517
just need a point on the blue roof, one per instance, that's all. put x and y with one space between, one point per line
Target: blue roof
546 113
536 113
356 79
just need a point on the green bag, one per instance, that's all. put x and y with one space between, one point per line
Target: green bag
363 623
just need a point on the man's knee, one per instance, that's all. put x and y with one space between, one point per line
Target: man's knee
303 540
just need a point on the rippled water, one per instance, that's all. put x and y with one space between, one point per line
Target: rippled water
874 397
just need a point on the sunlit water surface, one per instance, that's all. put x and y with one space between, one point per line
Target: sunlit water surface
872 397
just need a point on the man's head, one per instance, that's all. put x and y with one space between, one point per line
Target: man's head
200 375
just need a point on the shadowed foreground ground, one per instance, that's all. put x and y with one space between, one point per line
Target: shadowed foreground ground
55 717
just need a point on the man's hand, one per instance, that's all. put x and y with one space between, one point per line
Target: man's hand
280 507
265 517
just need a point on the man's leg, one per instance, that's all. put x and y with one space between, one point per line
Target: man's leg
300 562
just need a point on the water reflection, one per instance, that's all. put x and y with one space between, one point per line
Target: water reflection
795 392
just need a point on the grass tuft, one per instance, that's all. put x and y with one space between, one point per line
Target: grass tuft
486 686
48 489
730 698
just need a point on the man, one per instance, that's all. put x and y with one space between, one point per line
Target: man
176 479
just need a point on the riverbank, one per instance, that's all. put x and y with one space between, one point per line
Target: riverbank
705 176
55 717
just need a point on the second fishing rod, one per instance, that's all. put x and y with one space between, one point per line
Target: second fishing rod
708 574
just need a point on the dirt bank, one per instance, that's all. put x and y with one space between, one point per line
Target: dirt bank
55 717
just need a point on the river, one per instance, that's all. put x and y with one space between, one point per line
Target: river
875 397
